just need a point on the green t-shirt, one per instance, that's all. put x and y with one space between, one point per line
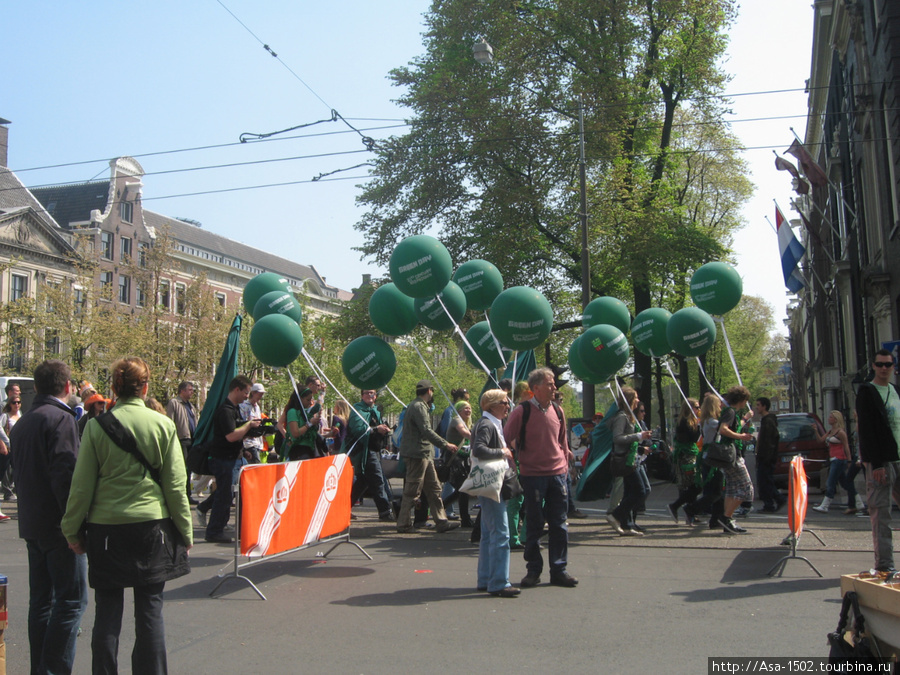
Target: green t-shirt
892 404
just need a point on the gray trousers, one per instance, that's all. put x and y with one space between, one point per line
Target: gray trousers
879 503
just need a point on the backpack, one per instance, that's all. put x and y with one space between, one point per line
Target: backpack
526 411
397 436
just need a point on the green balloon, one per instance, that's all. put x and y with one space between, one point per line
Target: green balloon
648 332
610 311
481 281
368 362
420 266
431 313
580 370
521 318
391 311
278 302
261 284
276 340
603 348
716 288
691 331
484 345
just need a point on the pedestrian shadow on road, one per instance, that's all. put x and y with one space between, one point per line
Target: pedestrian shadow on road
412 596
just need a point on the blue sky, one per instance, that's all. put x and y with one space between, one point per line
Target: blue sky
97 80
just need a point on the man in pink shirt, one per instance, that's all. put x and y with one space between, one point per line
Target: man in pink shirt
538 435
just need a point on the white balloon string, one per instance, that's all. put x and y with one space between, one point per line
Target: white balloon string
425 363
706 379
515 363
728 346
622 398
678 386
388 390
321 374
462 335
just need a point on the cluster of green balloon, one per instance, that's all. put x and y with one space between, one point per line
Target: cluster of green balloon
484 345
368 362
420 266
607 310
392 312
648 332
430 311
603 349
716 288
481 282
521 318
691 331
276 338
580 369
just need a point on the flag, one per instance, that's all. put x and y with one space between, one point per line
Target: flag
810 169
225 373
782 164
791 252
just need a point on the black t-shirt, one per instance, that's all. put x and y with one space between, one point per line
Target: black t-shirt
227 419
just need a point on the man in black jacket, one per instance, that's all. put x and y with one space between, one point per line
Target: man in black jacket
878 415
766 456
46 444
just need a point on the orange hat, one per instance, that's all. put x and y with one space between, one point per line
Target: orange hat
94 398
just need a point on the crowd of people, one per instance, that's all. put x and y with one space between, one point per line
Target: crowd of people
105 497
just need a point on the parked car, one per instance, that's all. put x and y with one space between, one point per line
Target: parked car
797 437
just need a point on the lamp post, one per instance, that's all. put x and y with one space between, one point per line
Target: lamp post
484 54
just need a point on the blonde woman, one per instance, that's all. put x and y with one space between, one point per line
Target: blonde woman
627 435
340 418
839 452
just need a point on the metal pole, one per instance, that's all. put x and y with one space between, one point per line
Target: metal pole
587 390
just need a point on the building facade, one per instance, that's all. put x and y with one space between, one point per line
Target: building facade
850 306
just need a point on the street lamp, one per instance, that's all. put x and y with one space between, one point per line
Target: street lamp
484 54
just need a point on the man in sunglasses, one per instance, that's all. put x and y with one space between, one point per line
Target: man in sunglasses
878 414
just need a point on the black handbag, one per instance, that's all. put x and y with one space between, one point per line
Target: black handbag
198 459
719 455
511 488
619 467
851 646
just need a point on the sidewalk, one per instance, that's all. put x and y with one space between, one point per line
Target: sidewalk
666 601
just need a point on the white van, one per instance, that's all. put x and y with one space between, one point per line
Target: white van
26 386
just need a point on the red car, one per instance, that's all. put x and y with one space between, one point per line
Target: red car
797 437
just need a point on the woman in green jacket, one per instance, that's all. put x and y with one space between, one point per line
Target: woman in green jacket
137 520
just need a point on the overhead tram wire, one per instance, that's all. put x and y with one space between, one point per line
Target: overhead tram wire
367 141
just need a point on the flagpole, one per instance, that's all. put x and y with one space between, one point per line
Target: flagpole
805 267
825 175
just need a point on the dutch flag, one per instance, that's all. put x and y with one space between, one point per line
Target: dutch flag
791 252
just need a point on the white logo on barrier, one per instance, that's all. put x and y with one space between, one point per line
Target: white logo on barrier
329 489
281 494
331 483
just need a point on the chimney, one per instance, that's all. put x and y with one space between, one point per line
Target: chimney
367 279
4 142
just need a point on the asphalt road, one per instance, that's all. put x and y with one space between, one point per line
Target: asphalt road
664 602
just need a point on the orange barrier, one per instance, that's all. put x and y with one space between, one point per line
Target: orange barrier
294 504
797 496
286 507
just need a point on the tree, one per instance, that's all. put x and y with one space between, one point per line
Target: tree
491 155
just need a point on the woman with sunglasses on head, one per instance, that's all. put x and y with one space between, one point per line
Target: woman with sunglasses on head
839 455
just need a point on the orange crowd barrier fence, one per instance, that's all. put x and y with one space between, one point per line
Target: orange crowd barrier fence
798 502
286 507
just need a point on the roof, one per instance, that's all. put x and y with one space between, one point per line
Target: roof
14 195
73 203
202 238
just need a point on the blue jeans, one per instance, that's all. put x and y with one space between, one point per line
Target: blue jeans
493 550
546 500
226 472
837 473
57 579
149 653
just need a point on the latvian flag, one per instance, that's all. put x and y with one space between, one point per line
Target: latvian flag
791 252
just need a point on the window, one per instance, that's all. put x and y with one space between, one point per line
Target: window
180 299
124 289
78 297
125 245
51 343
143 255
126 211
16 346
221 298
107 249
19 287
141 299
164 292
106 279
